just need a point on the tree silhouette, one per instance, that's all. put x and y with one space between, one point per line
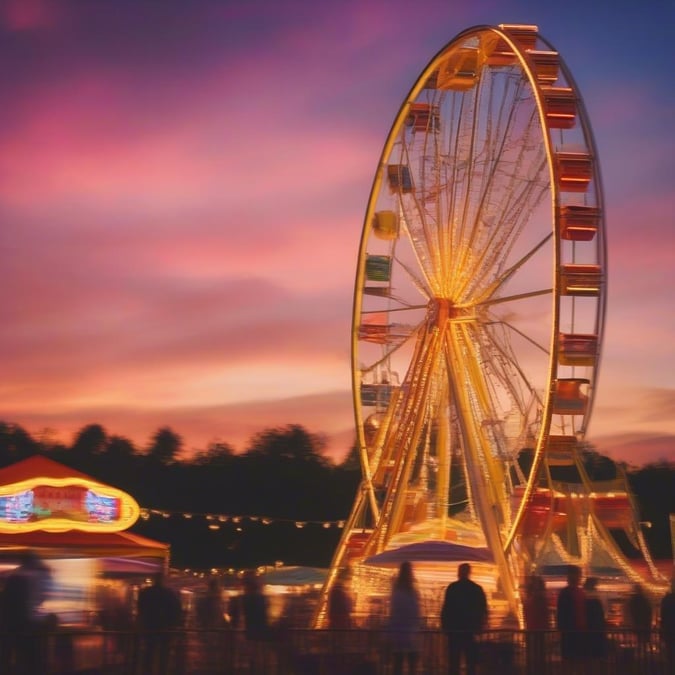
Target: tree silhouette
654 488
283 475
165 446
120 448
218 454
15 444
292 442
353 460
90 440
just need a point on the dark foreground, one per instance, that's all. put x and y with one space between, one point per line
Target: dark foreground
313 652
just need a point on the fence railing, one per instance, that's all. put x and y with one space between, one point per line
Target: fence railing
320 652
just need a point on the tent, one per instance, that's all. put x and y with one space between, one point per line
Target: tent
72 542
83 544
436 551
37 466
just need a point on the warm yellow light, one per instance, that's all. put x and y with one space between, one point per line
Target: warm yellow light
129 511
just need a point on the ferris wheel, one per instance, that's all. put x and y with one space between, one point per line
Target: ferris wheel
479 298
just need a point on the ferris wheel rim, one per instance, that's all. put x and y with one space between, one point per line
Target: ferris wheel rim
503 33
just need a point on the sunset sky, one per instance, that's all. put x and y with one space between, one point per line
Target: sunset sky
182 192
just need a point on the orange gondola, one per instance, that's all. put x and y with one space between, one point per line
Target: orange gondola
544 507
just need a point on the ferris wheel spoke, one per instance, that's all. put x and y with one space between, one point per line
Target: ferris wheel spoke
508 274
543 348
512 298
418 283
490 412
495 149
507 363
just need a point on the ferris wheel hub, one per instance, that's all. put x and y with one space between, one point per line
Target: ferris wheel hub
444 310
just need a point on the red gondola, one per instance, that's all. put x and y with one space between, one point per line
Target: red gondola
545 506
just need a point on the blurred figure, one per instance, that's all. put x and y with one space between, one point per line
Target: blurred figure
571 617
251 609
535 609
22 597
668 627
639 617
404 620
463 614
210 606
114 617
340 606
210 618
159 613
27 588
596 625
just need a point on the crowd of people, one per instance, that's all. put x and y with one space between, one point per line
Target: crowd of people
579 618
577 613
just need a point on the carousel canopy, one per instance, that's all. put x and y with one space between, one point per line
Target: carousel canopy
430 551
102 539
37 465
82 544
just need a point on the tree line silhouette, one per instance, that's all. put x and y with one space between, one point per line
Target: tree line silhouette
279 500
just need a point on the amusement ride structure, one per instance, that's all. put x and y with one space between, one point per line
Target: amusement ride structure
478 317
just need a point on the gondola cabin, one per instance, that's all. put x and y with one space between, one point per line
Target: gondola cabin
577 349
575 171
376 394
400 178
459 72
545 508
545 65
570 396
497 51
560 107
580 280
579 223
614 510
423 117
385 225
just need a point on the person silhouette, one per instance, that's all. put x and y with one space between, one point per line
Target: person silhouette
639 617
571 616
254 608
404 620
25 590
596 625
339 606
535 609
209 606
251 609
159 614
464 613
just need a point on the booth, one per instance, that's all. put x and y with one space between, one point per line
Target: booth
76 526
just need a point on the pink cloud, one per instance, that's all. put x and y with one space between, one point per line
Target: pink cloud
25 15
636 449
627 414
257 323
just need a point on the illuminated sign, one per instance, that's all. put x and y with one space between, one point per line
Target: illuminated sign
60 504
